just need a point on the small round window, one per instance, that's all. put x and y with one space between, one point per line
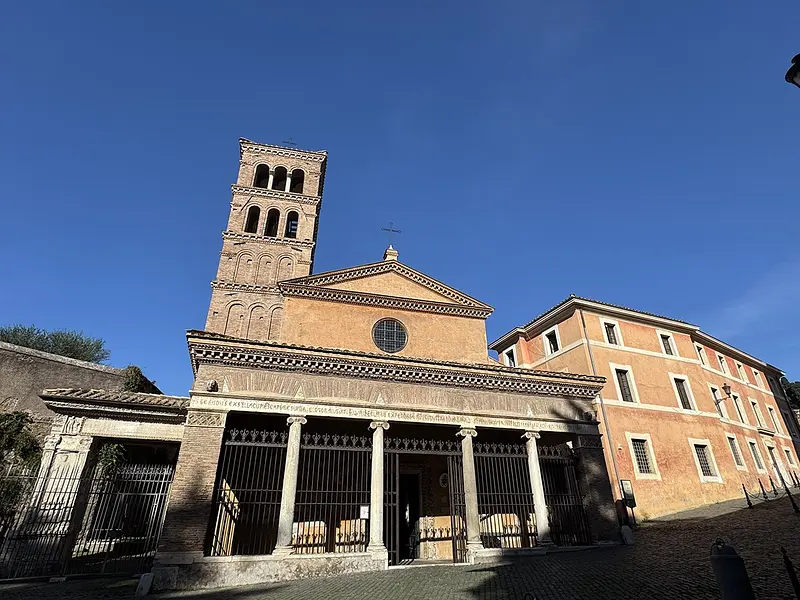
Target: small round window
389 335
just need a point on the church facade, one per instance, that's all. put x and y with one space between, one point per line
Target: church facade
349 420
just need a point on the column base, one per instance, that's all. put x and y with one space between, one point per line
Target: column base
283 551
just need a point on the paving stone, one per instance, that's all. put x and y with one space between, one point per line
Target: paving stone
669 560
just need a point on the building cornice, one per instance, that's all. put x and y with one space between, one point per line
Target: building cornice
389 266
205 348
265 193
255 147
255 237
367 299
245 287
116 405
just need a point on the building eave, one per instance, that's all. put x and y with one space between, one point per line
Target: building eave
116 405
207 348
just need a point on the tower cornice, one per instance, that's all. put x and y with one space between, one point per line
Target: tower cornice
278 195
278 241
255 147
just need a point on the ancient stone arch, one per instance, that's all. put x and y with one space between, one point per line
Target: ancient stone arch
264 270
258 323
276 319
244 268
234 320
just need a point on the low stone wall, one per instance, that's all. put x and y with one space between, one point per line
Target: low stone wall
210 572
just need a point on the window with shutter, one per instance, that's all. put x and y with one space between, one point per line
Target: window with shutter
642 456
703 458
737 457
756 455
611 334
683 394
624 385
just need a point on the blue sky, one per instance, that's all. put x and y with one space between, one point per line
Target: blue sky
638 153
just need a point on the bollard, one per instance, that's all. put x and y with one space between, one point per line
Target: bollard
772 483
730 572
747 497
763 491
788 493
790 570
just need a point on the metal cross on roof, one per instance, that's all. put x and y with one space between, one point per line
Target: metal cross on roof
390 231
290 142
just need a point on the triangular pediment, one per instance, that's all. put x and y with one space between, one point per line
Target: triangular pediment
386 279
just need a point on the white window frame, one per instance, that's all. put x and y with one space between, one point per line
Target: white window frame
789 457
701 354
672 344
755 445
775 421
546 342
740 411
743 466
705 478
631 382
723 408
759 380
651 451
757 412
688 385
779 468
722 364
741 372
790 424
513 352
617 331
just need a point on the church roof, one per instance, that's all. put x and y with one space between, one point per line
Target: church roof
114 404
440 298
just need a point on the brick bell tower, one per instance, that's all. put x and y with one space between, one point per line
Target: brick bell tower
271 234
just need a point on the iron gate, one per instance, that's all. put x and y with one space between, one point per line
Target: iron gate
505 497
456 533
569 525
333 485
65 523
247 495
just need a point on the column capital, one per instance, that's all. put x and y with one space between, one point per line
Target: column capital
467 431
296 419
382 424
532 435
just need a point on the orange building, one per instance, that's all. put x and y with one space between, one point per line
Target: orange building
687 418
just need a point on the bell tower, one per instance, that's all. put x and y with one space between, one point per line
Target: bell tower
271 234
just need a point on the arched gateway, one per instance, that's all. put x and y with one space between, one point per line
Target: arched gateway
372 430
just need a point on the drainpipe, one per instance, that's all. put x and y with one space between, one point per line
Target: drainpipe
602 409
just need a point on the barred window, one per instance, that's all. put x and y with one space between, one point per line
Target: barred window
704 459
683 394
642 456
389 335
667 343
756 455
737 458
624 385
611 334
789 456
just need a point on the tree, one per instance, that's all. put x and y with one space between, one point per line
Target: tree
18 444
72 344
792 393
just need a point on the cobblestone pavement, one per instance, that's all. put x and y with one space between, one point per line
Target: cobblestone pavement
669 560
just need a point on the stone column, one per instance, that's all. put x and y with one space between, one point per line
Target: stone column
470 491
289 490
192 494
376 543
270 178
288 181
537 486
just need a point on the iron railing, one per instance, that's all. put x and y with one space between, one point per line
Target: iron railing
64 522
505 497
333 494
248 493
569 525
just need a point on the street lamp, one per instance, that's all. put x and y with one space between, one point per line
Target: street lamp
725 388
793 74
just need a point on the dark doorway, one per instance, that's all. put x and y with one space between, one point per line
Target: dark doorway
409 514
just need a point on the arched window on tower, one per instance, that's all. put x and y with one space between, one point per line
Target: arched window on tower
273 216
261 180
251 225
279 179
291 225
298 178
